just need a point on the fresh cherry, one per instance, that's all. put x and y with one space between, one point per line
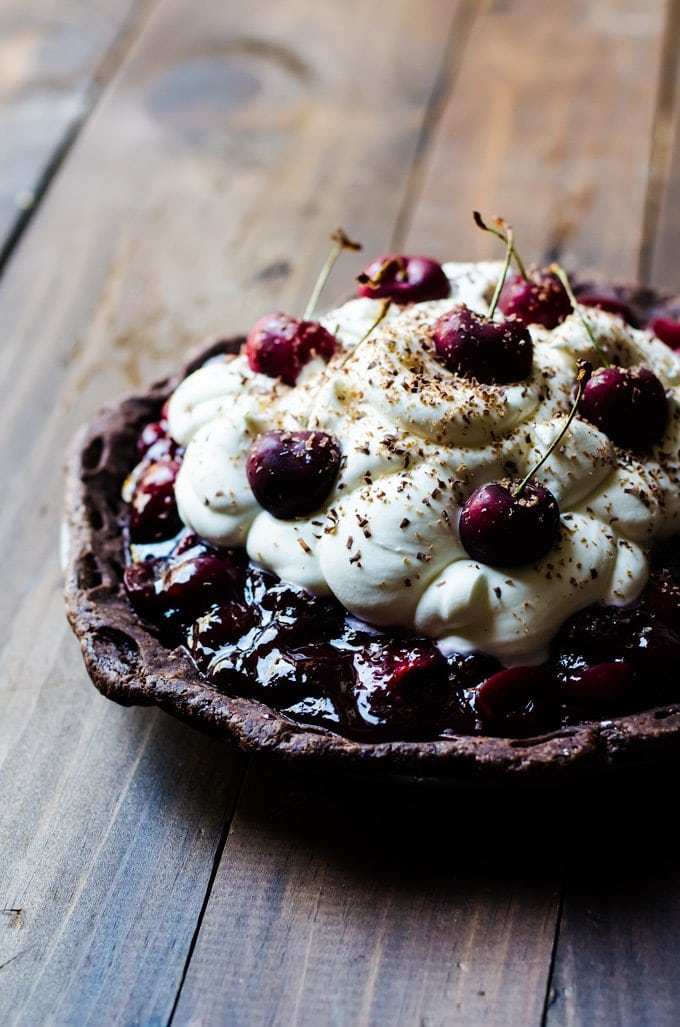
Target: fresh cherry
279 346
153 510
404 279
504 527
667 329
535 296
509 523
493 352
628 404
292 472
539 298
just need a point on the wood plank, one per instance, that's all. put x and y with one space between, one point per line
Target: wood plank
550 126
192 184
54 55
616 959
206 183
660 258
365 960
356 903
614 955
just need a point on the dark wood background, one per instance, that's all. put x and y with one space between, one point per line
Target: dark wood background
171 170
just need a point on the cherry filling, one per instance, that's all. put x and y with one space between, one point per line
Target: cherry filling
253 635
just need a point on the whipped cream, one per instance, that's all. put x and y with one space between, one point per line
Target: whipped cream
416 441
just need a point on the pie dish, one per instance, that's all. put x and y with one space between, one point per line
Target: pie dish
253 612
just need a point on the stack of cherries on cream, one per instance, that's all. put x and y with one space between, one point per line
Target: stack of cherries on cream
449 506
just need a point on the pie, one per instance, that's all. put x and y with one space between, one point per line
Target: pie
296 542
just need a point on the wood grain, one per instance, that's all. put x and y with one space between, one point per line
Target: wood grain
616 959
548 127
487 956
55 55
660 256
200 193
205 184
343 902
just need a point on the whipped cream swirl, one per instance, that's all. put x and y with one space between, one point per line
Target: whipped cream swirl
416 441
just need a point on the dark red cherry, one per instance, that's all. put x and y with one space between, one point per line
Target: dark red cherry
515 701
279 345
493 352
141 585
599 686
404 279
155 443
667 329
153 511
628 404
500 528
201 577
612 304
221 626
292 472
540 298
400 687
661 597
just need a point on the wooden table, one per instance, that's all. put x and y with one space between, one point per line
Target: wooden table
171 170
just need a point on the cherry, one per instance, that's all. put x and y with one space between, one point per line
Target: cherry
404 279
628 404
400 688
493 352
515 701
297 615
140 581
667 329
155 442
508 523
535 298
599 686
201 577
153 510
279 345
611 304
505 527
292 472
220 626
661 598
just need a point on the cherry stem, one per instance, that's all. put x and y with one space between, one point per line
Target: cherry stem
384 307
558 270
504 274
504 233
342 242
584 372
390 262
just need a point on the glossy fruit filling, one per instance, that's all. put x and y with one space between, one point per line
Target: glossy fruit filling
253 635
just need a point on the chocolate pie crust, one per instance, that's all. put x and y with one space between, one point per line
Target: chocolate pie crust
128 664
